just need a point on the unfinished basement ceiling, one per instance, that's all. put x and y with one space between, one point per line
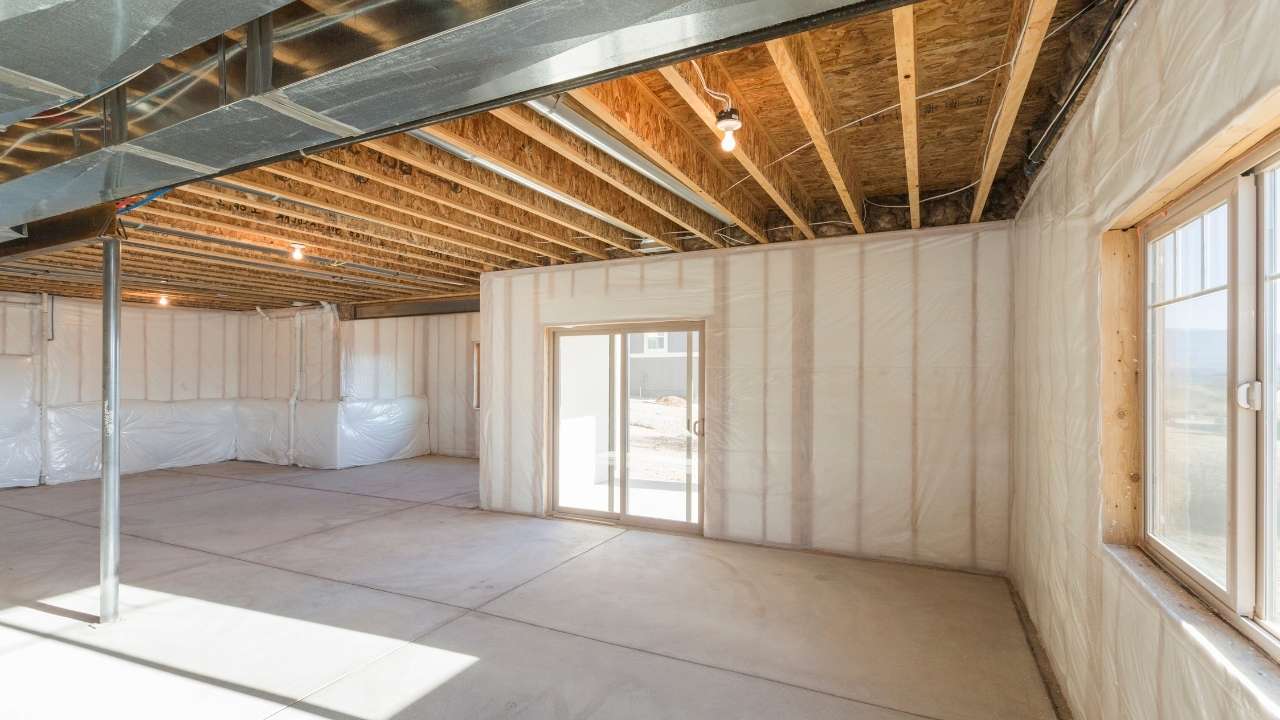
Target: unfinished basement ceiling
623 168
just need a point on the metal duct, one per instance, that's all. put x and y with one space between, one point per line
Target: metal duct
55 52
575 123
545 46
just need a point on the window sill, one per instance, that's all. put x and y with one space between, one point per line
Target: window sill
1219 642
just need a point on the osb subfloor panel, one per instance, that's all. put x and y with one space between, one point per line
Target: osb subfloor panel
253 592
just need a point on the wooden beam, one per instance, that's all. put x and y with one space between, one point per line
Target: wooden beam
331 240
754 150
447 225
611 170
293 211
179 208
1122 442
629 109
1039 15
904 40
427 157
486 137
497 218
798 66
352 204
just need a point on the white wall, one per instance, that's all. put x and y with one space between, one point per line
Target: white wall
204 386
178 387
1177 74
21 447
449 380
857 389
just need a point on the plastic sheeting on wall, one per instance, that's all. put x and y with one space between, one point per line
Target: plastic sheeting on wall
165 353
262 431
20 445
1177 74
360 432
857 392
153 435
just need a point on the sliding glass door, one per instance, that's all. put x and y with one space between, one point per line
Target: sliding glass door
628 420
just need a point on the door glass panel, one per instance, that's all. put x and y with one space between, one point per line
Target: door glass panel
585 458
1190 399
661 454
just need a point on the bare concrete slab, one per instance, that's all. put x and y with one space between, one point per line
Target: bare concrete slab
421 479
461 557
225 639
246 470
934 642
71 498
485 667
247 517
465 500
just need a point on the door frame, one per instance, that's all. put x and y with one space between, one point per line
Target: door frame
618 461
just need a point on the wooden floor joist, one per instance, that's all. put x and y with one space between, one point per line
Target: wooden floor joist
1036 26
611 170
431 159
174 209
754 150
629 109
904 40
463 232
297 214
332 241
497 142
558 243
463 258
800 71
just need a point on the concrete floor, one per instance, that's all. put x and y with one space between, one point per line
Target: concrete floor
256 591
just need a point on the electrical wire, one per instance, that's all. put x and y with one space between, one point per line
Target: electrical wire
1021 35
722 97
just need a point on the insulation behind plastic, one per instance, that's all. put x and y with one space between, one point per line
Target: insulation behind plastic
1124 641
857 390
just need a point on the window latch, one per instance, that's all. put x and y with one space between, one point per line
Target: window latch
1249 395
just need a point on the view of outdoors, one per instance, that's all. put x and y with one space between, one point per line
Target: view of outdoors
660 447
1190 393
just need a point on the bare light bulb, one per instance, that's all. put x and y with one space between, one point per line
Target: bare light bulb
727 143
164 300
297 252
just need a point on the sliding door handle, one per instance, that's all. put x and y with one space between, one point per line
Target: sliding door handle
697 427
1249 395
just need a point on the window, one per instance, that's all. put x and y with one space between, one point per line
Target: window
1212 371
655 342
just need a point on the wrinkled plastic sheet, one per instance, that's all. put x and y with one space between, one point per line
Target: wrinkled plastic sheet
360 432
152 435
262 431
20 446
856 396
1121 647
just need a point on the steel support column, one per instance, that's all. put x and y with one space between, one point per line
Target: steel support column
109 526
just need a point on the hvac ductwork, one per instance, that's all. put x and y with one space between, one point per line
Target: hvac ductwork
472 57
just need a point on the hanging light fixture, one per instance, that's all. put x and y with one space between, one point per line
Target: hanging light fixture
728 121
297 252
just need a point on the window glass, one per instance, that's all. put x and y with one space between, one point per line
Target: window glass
1189 336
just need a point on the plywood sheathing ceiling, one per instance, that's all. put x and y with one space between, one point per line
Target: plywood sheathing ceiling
400 217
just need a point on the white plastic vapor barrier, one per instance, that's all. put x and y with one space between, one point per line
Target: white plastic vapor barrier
153 435
1121 644
20 444
857 389
262 431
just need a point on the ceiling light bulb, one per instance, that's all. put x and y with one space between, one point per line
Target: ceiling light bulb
297 252
164 300
727 121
